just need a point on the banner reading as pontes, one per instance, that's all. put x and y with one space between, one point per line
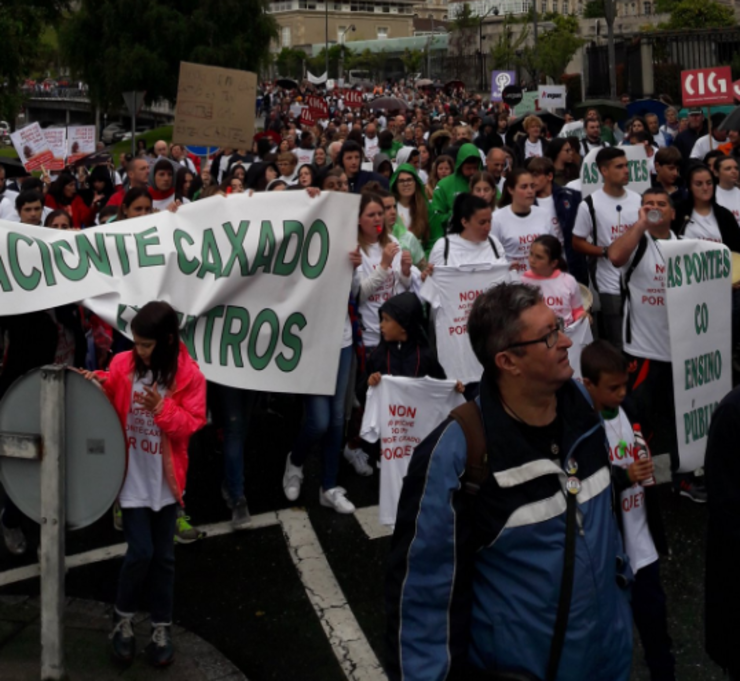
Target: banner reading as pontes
699 301
261 282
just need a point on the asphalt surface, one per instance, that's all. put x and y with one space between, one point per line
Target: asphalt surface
242 593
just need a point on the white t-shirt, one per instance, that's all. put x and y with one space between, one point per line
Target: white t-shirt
730 199
451 291
304 156
532 149
517 233
465 252
401 412
560 291
613 218
372 147
703 227
388 286
648 313
547 203
404 213
638 542
703 146
145 484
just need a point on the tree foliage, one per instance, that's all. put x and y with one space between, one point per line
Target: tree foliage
557 46
692 14
594 9
507 51
121 45
412 60
463 29
289 63
22 22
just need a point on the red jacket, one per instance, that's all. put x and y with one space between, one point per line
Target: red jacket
82 215
183 412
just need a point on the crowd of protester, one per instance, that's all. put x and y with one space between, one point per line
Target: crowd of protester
445 180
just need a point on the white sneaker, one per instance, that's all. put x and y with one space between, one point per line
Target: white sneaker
358 459
334 498
292 479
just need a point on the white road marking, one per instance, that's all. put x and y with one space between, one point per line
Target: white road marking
347 639
368 519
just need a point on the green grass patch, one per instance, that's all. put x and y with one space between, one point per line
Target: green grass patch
151 136
8 152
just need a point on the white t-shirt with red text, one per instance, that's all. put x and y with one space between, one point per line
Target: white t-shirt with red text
703 227
145 485
730 199
401 412
547 203
517 233
638 542
560 292
613 218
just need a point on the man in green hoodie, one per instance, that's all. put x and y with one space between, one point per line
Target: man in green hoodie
468 163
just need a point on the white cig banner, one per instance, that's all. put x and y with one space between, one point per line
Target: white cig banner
262 282
699 300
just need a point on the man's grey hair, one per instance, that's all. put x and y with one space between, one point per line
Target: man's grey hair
495 321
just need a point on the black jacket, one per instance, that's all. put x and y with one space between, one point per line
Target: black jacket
685 142
728 228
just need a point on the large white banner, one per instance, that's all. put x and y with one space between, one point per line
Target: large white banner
451 291
262 282
699 300
591 178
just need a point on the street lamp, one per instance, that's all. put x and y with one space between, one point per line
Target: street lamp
352 28
493 10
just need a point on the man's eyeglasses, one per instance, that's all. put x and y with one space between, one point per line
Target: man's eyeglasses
550 339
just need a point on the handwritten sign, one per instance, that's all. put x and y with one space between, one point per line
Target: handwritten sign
56 138
215 106
32 147
80 142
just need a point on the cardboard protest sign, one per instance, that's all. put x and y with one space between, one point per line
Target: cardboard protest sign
56 138
31 146
215 106
261 282
699 302
591 179
80 142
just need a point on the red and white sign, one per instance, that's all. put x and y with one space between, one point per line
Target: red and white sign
352 98
32 147
318 106
307 117
736 89
80 142
707 86
57 140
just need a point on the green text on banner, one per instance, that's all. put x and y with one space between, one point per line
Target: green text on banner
639 180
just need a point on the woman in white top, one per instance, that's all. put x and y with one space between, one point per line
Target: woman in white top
727 193
385 269
518 222
470 241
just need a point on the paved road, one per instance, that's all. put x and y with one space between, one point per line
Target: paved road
272 599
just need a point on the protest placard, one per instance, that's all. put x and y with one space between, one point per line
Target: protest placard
261 282
56 138
352 98
80 142
639 181
215 106
31 146
551 96
699 302
318 107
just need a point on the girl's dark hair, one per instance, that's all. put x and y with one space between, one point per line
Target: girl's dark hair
56 188
720 162
484 176
366 198
131 195
554 249
466 205
55 214
102 174
695 170
157 321
180 178
510 185
314 174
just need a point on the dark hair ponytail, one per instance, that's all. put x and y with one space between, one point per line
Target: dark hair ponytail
466 205
512 179
554 249
157 321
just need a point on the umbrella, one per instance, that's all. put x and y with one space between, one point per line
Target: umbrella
287 83
454 85
574 129
97 158
553 122
424 82
642 107
13 167
388 103
605 107
732 121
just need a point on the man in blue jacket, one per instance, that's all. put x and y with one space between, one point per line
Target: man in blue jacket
475 580
350 158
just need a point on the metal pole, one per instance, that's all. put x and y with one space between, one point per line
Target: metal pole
610 14
326 28
534 26
52 523
133 129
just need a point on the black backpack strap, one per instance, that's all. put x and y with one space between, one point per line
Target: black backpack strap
493 246
469 417
447 249
589 201
625 289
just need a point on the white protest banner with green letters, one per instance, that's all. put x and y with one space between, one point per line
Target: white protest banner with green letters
699 300
591 178
261 282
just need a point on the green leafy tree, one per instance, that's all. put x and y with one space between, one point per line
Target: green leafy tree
506 53
121 45
463 30
289 62
412 60
594 9
692 14
557 46
317 64
23 53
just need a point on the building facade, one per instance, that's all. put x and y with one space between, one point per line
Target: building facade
625 8
437 10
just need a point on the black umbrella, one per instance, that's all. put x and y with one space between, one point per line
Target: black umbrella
454 85
606 107
97 158
553 122
287 83
732 121
388 103
13 167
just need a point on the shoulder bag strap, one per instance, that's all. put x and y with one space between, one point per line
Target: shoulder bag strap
447 248
493 246
476 467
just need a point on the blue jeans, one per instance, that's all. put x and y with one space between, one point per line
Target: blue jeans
150 556
236 407
324 422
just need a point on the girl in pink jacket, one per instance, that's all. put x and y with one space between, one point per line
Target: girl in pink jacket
159 394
